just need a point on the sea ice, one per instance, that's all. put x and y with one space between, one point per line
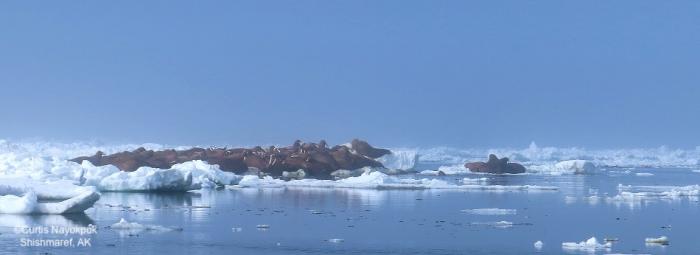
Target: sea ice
565 167
644 174
538 245
590 245
133 227
490 211
663 240
401 159
22 196
378 180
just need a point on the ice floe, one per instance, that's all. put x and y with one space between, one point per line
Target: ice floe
23 196
564 167
644 174
402 159
496 224
663 240
125 227
490 211
590 245
538 245
335 240
378 180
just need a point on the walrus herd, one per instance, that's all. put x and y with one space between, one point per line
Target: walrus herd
495 166
316 159
299 160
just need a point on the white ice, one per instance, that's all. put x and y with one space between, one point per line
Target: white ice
490 211
590 245
538 245
401 159
378 180
126 227
22 196
658 240
564 167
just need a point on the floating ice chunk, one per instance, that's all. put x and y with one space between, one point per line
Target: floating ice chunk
11 204
262 226
236 229
429 172
496 224
92 175
378 180
661 191
205 175
590 245
474 180
148 179
644 174
126 227
565 167
335 240
490 211
538 245
22 196
663 240
577 166
401 159
454 169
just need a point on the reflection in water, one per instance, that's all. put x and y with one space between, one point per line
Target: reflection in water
148 200
66 220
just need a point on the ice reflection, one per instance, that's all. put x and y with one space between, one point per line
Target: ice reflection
67 220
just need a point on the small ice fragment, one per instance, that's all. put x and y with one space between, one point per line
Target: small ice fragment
589 245
490 211
538 245
611 239
644 174
663 240
335 240
236 229
263 226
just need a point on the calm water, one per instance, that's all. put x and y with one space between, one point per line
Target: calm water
301 221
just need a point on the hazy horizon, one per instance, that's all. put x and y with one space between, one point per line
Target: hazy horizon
395 73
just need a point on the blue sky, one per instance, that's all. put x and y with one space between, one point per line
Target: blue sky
604 74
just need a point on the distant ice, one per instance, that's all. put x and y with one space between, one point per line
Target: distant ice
129 228
590 245
644 174
663 240
496 224
378 180
538 245
490 211
565 167
402 159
